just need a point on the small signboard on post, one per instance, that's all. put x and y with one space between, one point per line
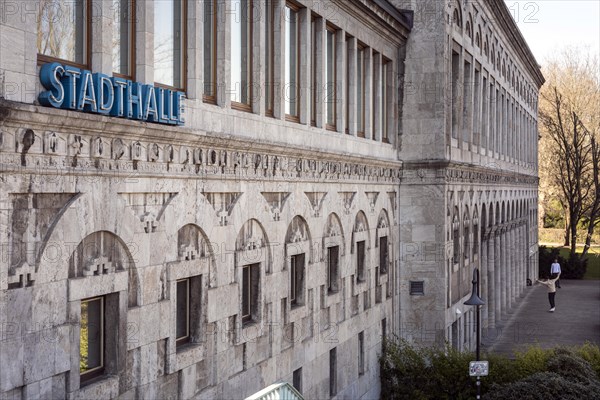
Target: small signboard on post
479 368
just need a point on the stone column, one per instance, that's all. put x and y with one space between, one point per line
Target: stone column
522 247
513 266
504 271
498 277
483 279
491 281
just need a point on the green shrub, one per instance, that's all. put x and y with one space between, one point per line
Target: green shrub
534 359
591 353
410 372
542 386
573 268
571 367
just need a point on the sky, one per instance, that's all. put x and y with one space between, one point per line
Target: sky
549 25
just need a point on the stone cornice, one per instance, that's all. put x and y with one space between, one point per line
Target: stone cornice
384 18
515 39
444 172
93 145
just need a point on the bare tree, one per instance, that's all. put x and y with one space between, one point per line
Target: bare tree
569 121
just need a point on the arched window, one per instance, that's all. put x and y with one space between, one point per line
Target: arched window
333 250
252 256
297 256
100 263
360 243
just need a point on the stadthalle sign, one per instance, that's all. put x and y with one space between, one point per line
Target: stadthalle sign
78 89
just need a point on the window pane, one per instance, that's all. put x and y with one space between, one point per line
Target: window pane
91 335
383 254
122 38
182 308
360 259
269 54
332 268
246 292
62 30
293 279
384 102
330 81
167 42
240 50
313 72
291 62
360 90
210 41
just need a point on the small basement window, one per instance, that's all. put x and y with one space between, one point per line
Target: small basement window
417 288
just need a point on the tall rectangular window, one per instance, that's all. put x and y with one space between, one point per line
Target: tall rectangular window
241 52
210 50
169 42
250 288
313 71
347 84
383 255
63 31
360 90
297 279
269 55
467 104
384 103
332 269
361 353
454 99
91 338
292 62
123 41
477 108
332 372
360 260
485 102
183 312
466 252
297 380
331 78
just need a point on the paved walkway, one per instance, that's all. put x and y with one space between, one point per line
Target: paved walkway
576 319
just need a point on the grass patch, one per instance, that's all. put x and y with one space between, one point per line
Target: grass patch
593 257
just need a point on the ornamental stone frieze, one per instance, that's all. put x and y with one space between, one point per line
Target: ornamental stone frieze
443 172
102 156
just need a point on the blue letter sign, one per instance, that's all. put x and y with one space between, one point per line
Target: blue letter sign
72 88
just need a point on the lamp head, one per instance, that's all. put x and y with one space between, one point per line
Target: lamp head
475 300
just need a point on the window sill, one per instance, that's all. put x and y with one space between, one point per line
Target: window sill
241 107
106 384
188 354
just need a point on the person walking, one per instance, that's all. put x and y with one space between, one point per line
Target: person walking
551 284
555 269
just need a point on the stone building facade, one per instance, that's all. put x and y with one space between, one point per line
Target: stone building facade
468 193
333 177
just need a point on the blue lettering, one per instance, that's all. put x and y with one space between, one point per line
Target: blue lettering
86 97
120 85
150 104
105 93
179 109
72 88
50 75
163 115
133 103
69 81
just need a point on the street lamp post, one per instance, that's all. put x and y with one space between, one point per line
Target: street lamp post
476 301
